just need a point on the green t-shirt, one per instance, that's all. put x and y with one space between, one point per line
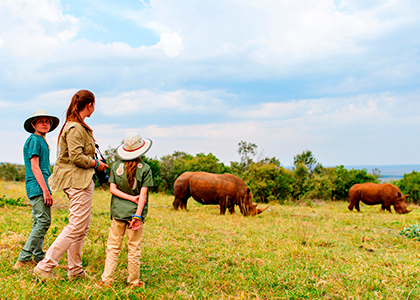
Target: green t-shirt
123 209
36 145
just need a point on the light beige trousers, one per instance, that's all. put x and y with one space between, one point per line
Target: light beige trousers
72 237
114 244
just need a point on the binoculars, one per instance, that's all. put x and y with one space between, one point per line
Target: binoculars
102 176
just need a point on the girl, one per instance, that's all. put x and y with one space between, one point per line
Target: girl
36 154
129 182
73 173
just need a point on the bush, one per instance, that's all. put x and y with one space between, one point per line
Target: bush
299 178
344 179
172 166
11 201
412 232
12 172
410 184
268 181
319 187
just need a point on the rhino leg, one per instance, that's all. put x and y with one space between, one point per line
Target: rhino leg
183 204
180 202
223 204
232 208
354 202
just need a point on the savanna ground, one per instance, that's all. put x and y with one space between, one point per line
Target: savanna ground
295 251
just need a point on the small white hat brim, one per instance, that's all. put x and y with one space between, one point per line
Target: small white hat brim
133 154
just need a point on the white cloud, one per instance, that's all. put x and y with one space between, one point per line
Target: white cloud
274 32
147 102
170 43
370 127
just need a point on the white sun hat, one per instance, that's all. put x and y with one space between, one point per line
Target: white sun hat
134 146
38 114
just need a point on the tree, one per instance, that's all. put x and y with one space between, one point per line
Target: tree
246 152
306 158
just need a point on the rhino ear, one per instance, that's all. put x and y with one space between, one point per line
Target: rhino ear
248 191
399 195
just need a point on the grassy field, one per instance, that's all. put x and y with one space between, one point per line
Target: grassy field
295 251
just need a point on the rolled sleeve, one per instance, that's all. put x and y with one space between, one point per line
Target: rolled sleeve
148 178
75 142
34 148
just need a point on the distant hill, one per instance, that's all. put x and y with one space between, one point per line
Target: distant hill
390 171
387 171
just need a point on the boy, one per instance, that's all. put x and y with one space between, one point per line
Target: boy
36 154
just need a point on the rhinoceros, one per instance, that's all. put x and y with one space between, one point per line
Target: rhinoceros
374 193
226 190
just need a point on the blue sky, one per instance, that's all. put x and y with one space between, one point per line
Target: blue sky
340 78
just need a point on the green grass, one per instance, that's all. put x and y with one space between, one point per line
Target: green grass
322 251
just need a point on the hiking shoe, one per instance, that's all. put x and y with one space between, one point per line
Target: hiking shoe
102 284
42 275
82 275
22 264
139 284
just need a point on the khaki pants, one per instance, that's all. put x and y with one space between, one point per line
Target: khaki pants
73 235
114 244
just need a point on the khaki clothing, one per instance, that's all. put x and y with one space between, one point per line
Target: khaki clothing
72 237
122 209
76 150
114 244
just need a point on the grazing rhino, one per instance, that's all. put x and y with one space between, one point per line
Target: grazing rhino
226 190
374 193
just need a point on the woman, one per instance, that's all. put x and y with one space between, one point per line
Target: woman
73 172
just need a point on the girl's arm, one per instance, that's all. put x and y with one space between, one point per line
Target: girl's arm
48 200
135 223
116 192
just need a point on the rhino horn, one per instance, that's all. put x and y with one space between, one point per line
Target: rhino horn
261 210
406 211
403 210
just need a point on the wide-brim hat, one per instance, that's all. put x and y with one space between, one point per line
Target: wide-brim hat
133 146
38 114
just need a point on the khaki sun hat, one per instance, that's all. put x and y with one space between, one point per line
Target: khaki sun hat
37 114
134 146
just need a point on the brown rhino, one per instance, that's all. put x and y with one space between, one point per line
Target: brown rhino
207 188
374 193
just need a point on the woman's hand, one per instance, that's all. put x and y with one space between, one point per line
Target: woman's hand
134 224
102 166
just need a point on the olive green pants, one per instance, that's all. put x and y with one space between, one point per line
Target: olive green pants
41 221
114 245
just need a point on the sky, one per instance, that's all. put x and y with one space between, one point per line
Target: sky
337 77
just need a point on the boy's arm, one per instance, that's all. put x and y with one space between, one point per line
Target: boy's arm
48 200
135 223
120 194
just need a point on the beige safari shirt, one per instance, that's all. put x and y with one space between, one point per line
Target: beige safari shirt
76 150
